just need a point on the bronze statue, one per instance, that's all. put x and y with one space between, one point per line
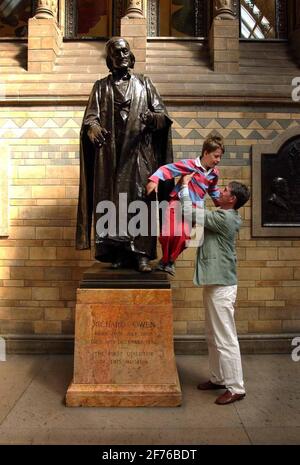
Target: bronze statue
125 137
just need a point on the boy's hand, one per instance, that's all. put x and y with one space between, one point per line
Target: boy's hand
151 187
186 179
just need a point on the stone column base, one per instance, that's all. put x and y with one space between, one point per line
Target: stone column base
44 43
135 31
224 45
124 354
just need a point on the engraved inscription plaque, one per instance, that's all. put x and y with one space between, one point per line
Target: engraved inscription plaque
123 343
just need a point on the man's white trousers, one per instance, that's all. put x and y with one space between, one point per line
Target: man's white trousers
223 346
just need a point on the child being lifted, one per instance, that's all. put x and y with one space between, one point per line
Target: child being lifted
175 233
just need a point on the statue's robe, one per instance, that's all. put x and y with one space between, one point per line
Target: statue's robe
123 164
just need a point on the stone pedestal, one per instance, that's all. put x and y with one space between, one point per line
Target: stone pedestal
124 354
224 45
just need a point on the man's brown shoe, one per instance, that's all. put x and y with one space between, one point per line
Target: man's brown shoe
228 397
209 385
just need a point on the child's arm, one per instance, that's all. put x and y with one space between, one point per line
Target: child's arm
169 171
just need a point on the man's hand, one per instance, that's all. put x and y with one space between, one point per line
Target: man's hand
184 180
97 135
147 118
151 187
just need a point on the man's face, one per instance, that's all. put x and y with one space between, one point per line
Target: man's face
226 197
120 54
211 159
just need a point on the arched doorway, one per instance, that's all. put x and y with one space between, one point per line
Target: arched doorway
87 19
263 19
14 16
177 18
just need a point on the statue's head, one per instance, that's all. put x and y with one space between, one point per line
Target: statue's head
280 186
118 54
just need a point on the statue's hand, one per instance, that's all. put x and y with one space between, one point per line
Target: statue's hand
148 119
97 135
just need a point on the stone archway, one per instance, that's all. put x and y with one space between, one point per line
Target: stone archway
89 19
177 18
14 18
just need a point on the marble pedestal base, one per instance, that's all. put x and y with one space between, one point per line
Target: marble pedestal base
124 354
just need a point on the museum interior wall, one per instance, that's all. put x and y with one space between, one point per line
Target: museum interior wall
241 91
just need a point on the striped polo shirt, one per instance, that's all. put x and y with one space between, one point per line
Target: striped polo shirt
204 181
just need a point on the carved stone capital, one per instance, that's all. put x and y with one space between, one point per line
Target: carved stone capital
46 9
223 9
134 9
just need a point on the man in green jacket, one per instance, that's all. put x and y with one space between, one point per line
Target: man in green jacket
215 269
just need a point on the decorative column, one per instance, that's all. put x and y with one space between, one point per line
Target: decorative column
224 37
134 29
46 9
224 9
134 9
44 37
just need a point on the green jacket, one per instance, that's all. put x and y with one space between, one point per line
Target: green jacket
216 258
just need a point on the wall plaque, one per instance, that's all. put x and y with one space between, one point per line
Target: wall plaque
276 186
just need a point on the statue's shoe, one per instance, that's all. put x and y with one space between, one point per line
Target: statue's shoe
143 265
117 264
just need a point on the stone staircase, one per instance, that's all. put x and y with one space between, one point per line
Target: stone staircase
179 68
183 69
13 57
82 58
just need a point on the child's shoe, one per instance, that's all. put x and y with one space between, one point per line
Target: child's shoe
170 268
160 266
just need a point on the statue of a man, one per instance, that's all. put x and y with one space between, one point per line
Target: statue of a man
125 137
